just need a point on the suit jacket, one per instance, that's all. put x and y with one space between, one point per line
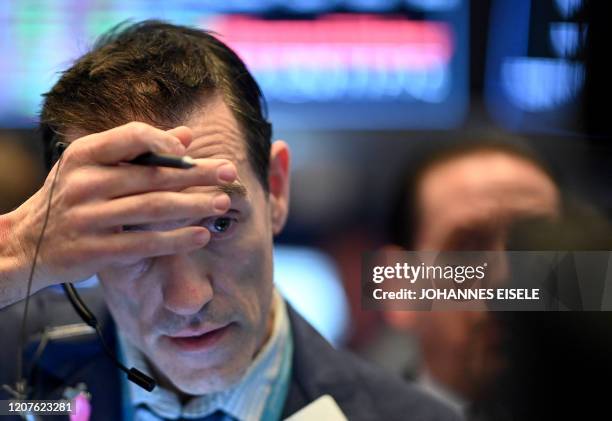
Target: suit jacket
362 391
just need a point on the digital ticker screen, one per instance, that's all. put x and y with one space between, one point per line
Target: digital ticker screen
354 64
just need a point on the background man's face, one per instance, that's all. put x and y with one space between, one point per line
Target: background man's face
225 287
469 203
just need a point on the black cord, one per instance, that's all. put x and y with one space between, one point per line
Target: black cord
133 374
79 306
21 384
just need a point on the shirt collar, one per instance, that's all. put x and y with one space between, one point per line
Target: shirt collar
244 400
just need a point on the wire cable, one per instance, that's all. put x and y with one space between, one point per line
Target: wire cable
21 384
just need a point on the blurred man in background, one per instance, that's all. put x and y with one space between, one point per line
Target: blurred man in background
466 198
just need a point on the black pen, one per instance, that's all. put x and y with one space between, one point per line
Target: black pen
163 160
149 158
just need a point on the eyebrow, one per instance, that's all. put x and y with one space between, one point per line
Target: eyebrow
233 189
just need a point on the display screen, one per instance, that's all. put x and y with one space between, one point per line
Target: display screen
322 65
535 75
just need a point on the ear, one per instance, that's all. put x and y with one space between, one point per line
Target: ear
278 181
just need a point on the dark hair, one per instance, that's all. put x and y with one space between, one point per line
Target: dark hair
404 216
155 72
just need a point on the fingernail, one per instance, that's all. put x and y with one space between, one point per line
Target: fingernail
221 202
201 237
226 172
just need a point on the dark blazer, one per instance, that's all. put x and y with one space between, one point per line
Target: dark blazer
362 391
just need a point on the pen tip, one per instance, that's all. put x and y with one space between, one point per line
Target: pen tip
189 161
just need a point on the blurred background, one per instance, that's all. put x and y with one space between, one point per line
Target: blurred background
358 88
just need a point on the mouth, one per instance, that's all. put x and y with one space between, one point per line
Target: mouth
191 340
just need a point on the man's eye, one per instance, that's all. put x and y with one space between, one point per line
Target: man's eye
220 225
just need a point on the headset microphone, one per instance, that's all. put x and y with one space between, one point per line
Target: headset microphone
133 374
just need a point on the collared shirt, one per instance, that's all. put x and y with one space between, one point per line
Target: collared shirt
245 400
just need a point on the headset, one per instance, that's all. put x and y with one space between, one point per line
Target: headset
133 374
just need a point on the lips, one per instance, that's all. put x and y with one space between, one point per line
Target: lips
198 339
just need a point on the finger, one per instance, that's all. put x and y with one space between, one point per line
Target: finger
122 144
131 247
182 133
124 180
151 208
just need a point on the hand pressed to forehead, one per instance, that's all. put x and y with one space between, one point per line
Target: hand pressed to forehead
96 193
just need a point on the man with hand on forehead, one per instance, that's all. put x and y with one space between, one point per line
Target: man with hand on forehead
184 256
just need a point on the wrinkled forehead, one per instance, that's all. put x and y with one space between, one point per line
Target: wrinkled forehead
217 135
216 132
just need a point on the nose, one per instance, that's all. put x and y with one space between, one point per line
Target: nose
186 288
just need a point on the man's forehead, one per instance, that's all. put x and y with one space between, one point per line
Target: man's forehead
491 185
216 133
485 171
